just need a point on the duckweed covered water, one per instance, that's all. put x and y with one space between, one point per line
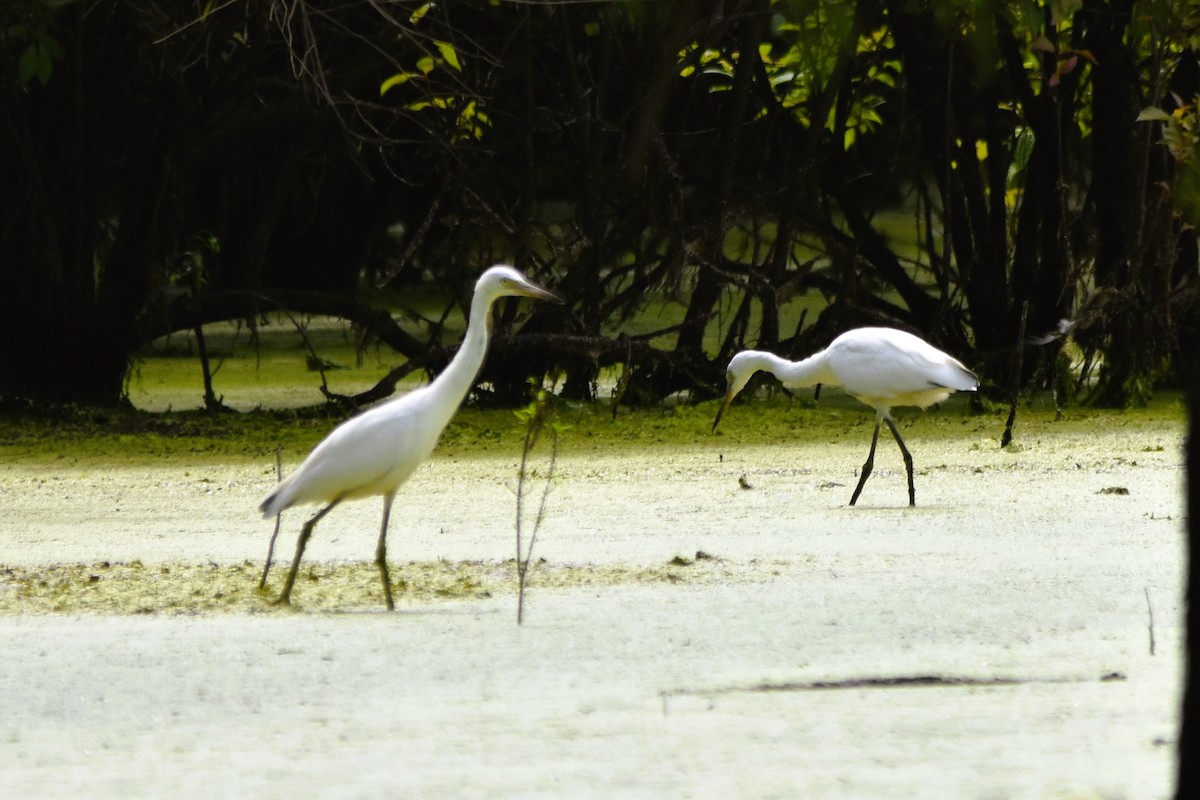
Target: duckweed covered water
165 459
192 589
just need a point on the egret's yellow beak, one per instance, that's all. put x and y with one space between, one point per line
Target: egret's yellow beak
538 293
729 395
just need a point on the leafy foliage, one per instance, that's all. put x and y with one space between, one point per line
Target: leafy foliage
946 167
26 27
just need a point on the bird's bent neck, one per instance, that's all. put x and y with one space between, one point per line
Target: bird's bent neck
806 372
458 377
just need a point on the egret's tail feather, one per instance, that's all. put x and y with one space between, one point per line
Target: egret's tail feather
267 507
278 501
281 498
969 381
957 377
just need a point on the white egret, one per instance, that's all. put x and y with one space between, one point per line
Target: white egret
881 367
374 453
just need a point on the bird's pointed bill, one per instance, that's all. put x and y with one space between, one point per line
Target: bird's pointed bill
538 293
721 411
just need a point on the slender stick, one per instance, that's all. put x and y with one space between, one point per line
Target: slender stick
535 424
211 403
537 520
521 562
1018 360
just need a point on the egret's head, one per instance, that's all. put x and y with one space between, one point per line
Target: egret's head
741 368
505 281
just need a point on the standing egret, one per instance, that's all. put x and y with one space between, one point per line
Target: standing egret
375 452
881 367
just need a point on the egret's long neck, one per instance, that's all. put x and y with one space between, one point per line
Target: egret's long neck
806 372
456 380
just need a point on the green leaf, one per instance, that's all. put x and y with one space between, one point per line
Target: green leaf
420 13
37 61
426 64
395 80
432 102
28 65
449 54
1152 114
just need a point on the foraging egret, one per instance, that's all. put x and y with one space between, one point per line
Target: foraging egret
375 452
881 367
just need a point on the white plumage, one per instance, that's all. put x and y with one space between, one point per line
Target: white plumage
881 367
374 453
368 455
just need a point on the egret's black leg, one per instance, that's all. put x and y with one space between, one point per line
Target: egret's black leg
285 597
262 583
867 467
912 492
381 552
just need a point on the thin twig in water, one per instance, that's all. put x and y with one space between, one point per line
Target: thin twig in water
888 682
535 423
1018 361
